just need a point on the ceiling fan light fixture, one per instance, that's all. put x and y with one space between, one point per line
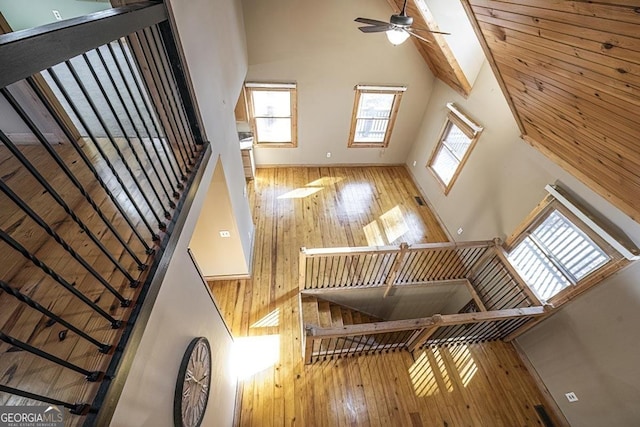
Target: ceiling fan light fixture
397 36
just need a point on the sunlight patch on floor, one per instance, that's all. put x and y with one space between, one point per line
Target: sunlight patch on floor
271 319
422 376
393 223
300 193
465 364
324 181
251 355
443 370
373 234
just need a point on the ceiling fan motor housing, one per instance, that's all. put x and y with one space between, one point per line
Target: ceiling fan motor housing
401 20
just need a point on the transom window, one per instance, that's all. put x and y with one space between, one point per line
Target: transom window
374 114
455 143
272 113
558 252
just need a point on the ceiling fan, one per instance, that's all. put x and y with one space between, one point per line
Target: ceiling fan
398 29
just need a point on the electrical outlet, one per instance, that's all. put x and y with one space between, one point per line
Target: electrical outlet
460 230
328 154
225 233
571 396
57 15
415 162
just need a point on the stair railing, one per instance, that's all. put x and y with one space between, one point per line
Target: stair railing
501 305
85 223
447 329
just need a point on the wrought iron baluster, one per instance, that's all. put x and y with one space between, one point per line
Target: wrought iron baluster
68 286
104 348
164 140
74 408
92 376
170 114
98 178
124 78
34 172
161 225
51 232
104 156
151 163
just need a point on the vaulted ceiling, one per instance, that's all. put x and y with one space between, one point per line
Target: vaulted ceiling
570 71
436 51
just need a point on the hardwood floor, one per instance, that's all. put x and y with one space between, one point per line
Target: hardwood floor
474 385
21 369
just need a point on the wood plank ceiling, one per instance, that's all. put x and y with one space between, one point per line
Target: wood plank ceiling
436 53
571 73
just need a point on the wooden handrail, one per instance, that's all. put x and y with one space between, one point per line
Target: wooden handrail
358 250
425 322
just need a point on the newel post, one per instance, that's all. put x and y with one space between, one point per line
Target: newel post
404 248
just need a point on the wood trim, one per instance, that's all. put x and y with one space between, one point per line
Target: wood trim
390 249
391 277
326 165
475 296
502 255
425 322
229 277
391 120
544 391
492 62
294 116
472 134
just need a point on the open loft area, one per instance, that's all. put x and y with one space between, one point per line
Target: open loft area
320 213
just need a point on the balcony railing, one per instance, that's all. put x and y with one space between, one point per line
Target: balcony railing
84 222
500 305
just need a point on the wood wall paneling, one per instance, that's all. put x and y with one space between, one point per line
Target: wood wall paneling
571 72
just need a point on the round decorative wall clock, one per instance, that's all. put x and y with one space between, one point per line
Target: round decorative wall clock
193 385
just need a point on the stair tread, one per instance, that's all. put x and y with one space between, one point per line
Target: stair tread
336 316
324 311
310 313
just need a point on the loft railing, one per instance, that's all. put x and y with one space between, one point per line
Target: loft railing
500 305
84 222
349 340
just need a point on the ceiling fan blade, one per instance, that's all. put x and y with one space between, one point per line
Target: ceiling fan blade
370 21
375 28
430 31
417 36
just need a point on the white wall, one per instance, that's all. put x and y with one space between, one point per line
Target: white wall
212 36
462 41
217 255
589 346
182 311
318 46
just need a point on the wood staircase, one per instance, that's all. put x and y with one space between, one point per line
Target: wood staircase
323 314
326 314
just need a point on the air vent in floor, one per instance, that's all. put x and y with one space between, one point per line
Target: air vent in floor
419 200
544 417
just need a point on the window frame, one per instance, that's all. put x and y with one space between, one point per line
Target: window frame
544 209
397 91
291 88
471 130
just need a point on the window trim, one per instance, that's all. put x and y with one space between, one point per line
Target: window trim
469 128
273 87
539 215
397 91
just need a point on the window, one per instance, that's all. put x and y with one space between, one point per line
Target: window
374 114
272 113
455 143
557 252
